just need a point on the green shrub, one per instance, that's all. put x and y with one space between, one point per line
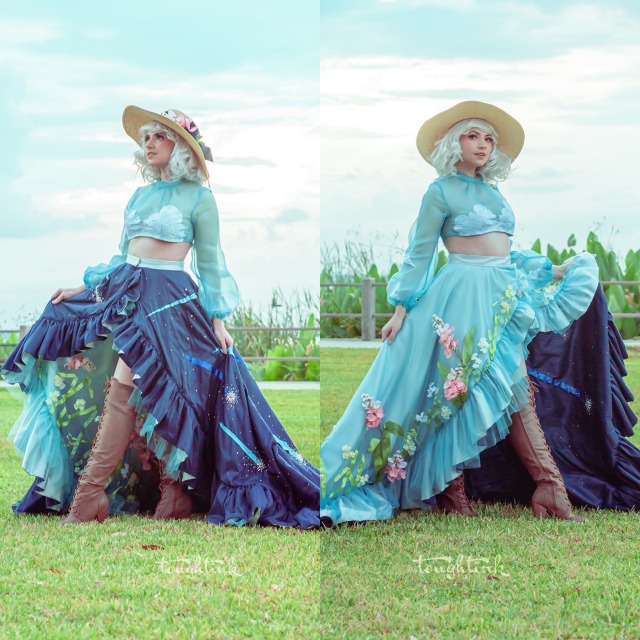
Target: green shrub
354 261
297 310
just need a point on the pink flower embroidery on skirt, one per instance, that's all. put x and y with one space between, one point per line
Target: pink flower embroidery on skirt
396 469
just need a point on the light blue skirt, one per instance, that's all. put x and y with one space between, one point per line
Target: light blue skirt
446 388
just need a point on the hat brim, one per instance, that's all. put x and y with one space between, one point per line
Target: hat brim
509 130
133 118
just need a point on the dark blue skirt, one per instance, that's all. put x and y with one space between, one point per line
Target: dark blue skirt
199 410
583 405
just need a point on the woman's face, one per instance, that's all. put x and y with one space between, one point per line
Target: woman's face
476 149
158 149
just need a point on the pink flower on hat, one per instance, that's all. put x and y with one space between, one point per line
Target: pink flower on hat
186 123
190 127
183 121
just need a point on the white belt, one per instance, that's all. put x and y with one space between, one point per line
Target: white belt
149 263
479 261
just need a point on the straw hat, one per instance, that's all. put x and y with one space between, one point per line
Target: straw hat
509 130
134 117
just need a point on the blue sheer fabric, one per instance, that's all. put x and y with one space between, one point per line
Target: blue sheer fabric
179 211
420 259
536 267
445 389
454 205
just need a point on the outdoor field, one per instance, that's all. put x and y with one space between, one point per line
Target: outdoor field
134 577
503 574
410 578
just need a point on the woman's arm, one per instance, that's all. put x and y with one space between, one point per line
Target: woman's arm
420 260
64 294
558 271
217 289
223 336
93 276
411 282
394 325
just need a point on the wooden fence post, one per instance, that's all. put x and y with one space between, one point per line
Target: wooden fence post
368 309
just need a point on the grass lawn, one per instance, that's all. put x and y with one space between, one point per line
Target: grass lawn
501 575
133 577
411 577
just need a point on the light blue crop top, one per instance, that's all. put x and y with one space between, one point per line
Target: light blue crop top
454 205
179 211
473 207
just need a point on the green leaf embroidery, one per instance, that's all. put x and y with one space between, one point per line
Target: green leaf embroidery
393 427
467 346
444 372
373 444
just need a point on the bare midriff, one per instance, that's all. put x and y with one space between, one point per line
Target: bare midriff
494 243
145 247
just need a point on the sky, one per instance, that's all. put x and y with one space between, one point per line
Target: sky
247 72
568 71
306 104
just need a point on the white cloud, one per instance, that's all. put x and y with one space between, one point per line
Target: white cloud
76 172
460 5
19 32
579 114
581 22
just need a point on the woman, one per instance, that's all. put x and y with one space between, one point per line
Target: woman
179 404
450 380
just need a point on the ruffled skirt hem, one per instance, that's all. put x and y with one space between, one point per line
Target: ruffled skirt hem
444 449
185 389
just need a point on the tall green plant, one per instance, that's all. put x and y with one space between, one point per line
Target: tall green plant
299 309
353 261
9 339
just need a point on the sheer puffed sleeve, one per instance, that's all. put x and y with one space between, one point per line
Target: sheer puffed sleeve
536 267
93 276
218 291
421 257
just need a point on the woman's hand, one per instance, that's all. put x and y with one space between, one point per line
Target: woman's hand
394 325
558 271
225 340
64 294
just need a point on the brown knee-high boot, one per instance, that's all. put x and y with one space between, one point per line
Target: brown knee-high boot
454 500
174 502
527 438
118 421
